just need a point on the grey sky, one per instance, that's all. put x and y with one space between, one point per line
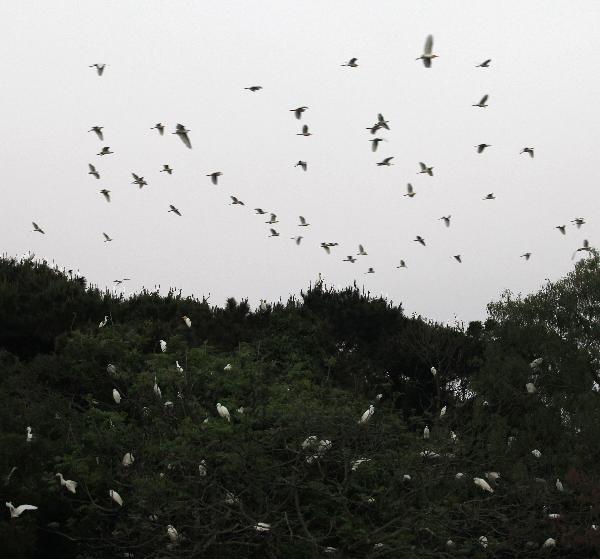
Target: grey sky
188 62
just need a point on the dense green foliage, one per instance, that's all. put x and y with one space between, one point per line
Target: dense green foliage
306 368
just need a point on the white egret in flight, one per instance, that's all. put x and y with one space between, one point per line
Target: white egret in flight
182 132
352 63
427 55
15 512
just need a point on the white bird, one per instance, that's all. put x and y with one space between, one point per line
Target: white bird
356 463
554 516
115 497
443 412
459 475
173 534
530 387
453 436
179 367
406 477
482 484
536 453
536 363
68 483
181 131
309 441
15 512
367 415
426 432
128 459
103 323
202 468
433 371
29 434
492 476
559 485
425 169
156 389
116 396
427 55
92 171
550 542
111 369
227 367
187 321
223 412
483 541
163 345
378 397
262 527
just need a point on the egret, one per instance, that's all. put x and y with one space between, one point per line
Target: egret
559 485
483 541
179 367
187 321
182 132
459 475
482 484
584 248
386 162
107 238
443 412
356 463
492 476
550 542
128 459
254 88
427 55
214 177
262 527
103 323
298 112
68 483
116 396
375 143
140 181
402 264
530 387
536 453
236 201
115 497
458 258
453 436
156 389
433 371
99 68
15 512
227 367
527 256
529 151
428 454
174 210
450 544
562 229
303 222
105 151
420 240
202 468
536 363
370 271
484 64
554 516
163 345
37 228
302 164
406 477
309 441
367 415
378 397
373 129
106 194
426 432
92 171
482 103
490 196
160 127
425 169
98 131
352 63
362 251
173 534
305 131
260 211
223 412
578 221
350 259
166 169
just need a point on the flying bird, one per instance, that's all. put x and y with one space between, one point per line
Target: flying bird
166 169
98 131
585 248
458 258
528 150
99 68
302 164
15 512
481 147
352 63
140 181
272 219
273 233
410 191
490 196
305 131
381 122
420 240
182 132
260 211
370 271
105 151
92 171
174 210
303 222
578 221
298 239
402 264
362 251
446 220
484 64
562 229
349 258
214 177
37 229
106 194
527 256
160 127
298 112
107 239
386 162
254 88
482 102
427 55
425 169
236 201
373 128
375 143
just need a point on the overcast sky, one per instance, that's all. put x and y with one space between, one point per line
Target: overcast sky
189 61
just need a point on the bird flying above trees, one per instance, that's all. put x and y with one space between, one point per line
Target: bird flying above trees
427 55
182 132
352 63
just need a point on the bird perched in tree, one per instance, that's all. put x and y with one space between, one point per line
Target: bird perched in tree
15 512
127 460
426 433
160 127
530 387
433 371
443 412
362 251
562 229
484 64
410 191
349 258
106 194
236 201
98 131
458 258
420 240
536 363
367 415
402 264
529 151
105 151
107 239
223 412
202 468
228 367
482 147
425 169
482 102
483 541
99 68
254 88
559 485
166 169
427 55
187 321
116 396
174 210
386 162
302 164
115 497
156 389
550 542
214 177
179 367
356 463
375 143
446 220
182 132
92 171
303 222
173 534
352 63
68 483
490 196
37 228
273 233
298 112
527 256
482 484
492 476
103 323
262 527
111 369
536 453
305 131
163 345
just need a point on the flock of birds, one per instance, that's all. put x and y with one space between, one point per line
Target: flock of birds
379 126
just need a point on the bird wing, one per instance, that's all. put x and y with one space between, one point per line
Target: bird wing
214 178
99 134
305 129
428 45
185 139
353 61
106 236
483 99
409 188
302 220
423 166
